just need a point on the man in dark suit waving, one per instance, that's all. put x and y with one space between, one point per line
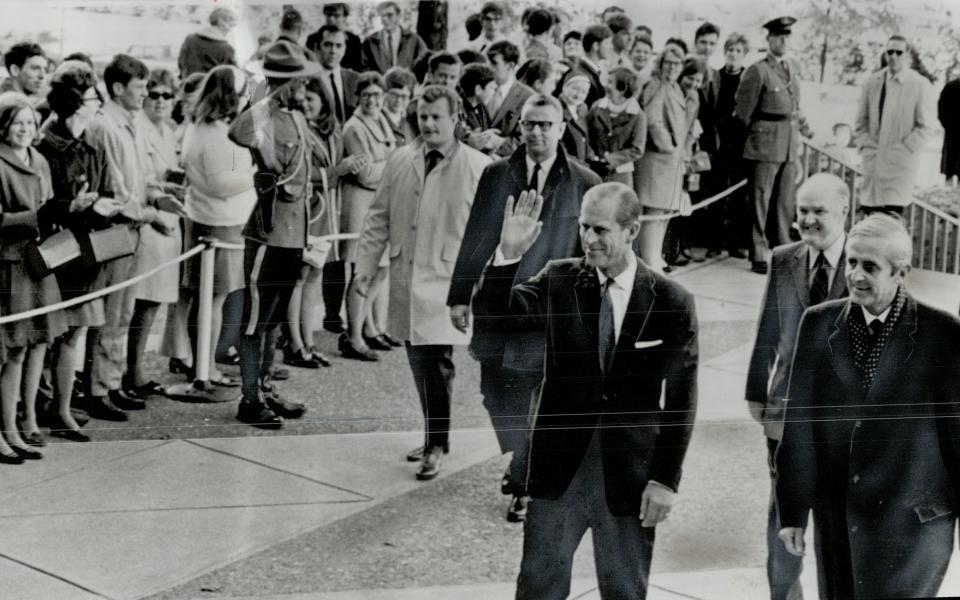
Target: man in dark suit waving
511 358
802 274
604 455
871 440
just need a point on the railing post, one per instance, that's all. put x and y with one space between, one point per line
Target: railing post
205 312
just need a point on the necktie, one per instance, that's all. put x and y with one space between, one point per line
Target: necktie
786 68
389 49
433 157
875 327
820 287
883 100
608 335
535 178
337 104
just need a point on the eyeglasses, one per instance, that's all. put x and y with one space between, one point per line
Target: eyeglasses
545 126
490 19
894 52
370 95
158 95
394 93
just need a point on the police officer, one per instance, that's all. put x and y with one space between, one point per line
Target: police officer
276 234
768 104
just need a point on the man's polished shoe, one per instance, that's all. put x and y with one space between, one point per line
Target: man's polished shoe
759 266
416 455
125 402
518 509
284 408
258 414
100 407
430 465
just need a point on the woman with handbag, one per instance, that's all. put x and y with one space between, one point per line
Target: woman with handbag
78 172
220 195
25 189
658 179
367 133
157 244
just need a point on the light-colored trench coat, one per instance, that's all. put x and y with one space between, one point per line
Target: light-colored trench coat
891 147
424 222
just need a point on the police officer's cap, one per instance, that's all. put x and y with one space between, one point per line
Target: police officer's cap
779 26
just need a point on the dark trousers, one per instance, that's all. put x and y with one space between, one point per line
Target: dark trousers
622 549
783 568
271 274
333 285
772 189
433 373
508 397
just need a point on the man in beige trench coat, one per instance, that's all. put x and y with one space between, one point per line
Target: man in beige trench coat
421 208
894 121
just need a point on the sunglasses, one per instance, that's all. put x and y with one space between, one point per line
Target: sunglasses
894 52
158 95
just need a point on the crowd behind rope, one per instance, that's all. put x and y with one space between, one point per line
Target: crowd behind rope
432 170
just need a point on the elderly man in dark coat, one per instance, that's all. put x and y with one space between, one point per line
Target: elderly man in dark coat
871 439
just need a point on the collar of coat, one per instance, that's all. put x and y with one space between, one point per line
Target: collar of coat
8 156
632 108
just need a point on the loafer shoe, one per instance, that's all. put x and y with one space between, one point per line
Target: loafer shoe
259 415
430 465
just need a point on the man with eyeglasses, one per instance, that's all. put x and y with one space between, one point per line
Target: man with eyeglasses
895 119
768 104
391 46
511 355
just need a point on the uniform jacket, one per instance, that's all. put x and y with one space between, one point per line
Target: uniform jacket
564 187
786 297
276 135
885 462
507 117
411 49
423 220
657 344
890 147
768 103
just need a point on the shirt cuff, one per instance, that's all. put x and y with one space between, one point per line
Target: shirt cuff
666 487
500 261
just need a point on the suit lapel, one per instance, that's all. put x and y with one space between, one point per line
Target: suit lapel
506 104
896 352
556 175
839 287
842 353
639 308
799 269
518 171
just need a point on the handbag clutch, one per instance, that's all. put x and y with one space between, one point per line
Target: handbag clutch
700 162
58 249
112 243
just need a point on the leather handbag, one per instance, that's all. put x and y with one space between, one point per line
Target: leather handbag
699 162
112 243
40 259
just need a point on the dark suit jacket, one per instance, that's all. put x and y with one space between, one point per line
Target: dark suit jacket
349 91
352 58
786 297
563 189
639 440
412 48
507 117
707 115
884 464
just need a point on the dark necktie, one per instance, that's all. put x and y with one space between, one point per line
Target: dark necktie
820 287
337 105
535 178
875 327
608 336
433 157
389 49
883 100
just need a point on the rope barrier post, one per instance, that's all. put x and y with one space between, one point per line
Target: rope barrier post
205 312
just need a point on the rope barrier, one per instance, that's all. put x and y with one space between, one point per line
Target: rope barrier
699 206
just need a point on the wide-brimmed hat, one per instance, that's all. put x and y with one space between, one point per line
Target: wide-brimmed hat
284 60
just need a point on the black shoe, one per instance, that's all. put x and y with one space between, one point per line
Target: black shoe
100 407
348 350
124 401
319 357
391 340
178 367
430 465
416 455
80 416
27 453
506 484
759 266
59 429
284 408
35 439
258 415
143 392
334 326
518 509
11 459
295 358
377 343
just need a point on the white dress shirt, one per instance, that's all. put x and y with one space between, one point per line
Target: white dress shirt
869 318
831 255
620 289
338 78
545 167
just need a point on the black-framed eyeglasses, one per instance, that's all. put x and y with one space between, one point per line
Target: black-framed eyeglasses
893 52
158 95
370 95
545 126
